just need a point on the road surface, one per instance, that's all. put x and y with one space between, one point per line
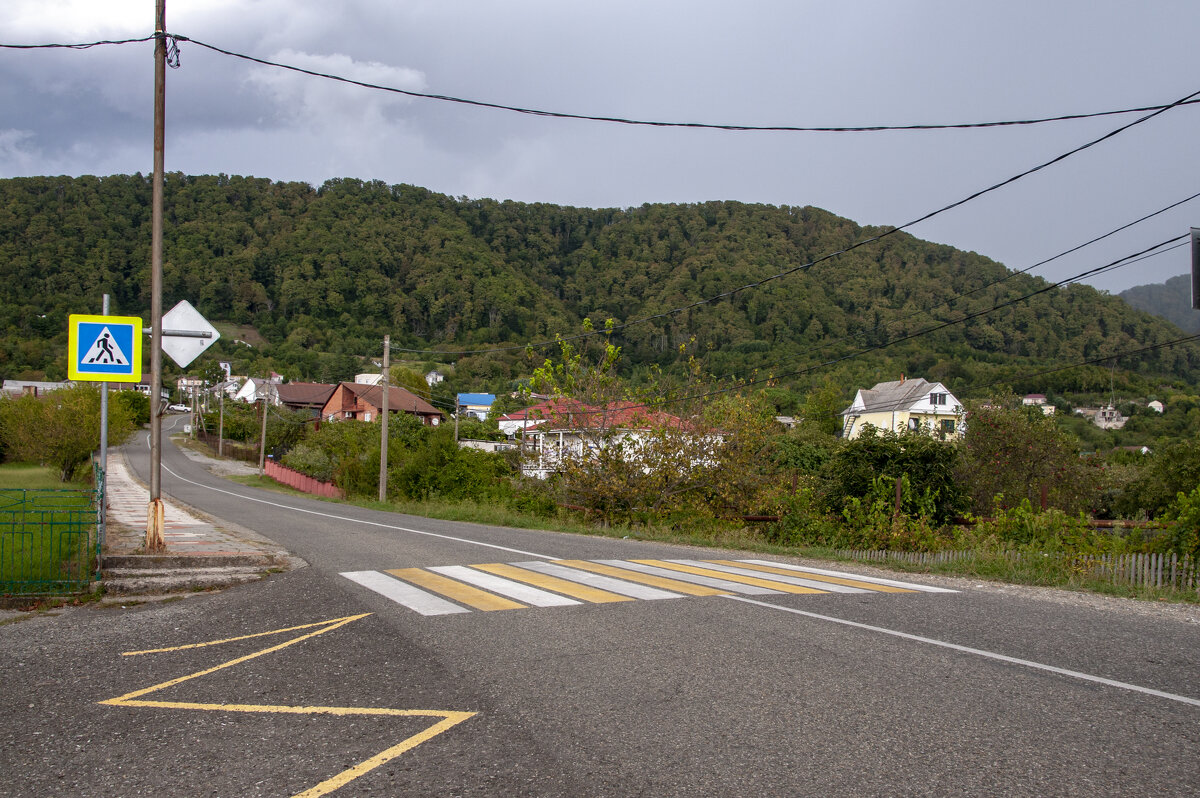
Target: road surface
420 657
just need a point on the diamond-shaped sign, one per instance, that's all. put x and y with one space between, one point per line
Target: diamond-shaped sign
184 318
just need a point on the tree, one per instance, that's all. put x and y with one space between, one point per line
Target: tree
61 429
1013 452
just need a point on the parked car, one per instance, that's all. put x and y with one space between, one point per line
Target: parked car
179 408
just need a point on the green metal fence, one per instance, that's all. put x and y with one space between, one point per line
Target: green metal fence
50 540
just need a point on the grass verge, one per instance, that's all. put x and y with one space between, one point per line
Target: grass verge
986 566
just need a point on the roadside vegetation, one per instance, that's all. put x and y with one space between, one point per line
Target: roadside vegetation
1017 500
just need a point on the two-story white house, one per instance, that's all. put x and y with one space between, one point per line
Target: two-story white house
905 405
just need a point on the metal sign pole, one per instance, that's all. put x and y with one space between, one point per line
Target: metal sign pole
383 434
104 442
154 520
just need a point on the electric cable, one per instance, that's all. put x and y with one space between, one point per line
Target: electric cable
828 256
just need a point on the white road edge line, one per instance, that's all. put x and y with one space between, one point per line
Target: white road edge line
352 520
1087 677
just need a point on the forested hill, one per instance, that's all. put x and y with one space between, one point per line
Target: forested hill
327 271
1171 300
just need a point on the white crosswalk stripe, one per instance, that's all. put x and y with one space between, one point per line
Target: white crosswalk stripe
445 588
505 587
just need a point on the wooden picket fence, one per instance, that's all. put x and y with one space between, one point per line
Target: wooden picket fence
1161 571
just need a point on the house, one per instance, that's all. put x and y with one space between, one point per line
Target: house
354 400
1038 400
1156 406
310 396
34 387
904 404
434 377
256 388
477 405
520 420
570 429
1109 417
368 379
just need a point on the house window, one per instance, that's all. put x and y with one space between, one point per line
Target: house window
937 398
947 426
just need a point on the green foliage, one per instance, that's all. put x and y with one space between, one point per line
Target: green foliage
860 465
136 405
243 422
423 462
61 428
323 273
1183 523
1015 452
1170 470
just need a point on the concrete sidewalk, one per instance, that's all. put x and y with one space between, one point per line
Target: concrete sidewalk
202 553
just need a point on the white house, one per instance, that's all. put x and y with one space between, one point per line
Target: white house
570 430
904 404
256 388
1038 400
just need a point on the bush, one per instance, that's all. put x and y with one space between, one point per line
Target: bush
61 429
928 465
1183 523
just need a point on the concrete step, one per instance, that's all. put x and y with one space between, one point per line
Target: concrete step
187 561
138 581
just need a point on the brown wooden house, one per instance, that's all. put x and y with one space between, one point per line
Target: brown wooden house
304 395
354 400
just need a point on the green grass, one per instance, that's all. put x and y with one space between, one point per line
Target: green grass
46 531
24 475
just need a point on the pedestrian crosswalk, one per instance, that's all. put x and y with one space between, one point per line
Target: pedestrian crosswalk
488 587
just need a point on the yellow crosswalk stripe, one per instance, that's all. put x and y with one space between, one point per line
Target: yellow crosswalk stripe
836 580
745 580
646 579
572 589
450 588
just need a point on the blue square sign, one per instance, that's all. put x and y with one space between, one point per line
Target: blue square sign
105 348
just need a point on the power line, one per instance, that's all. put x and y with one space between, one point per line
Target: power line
1154 111
82 46
827 256
1133 257
615 119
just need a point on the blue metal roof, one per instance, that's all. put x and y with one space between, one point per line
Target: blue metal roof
484 399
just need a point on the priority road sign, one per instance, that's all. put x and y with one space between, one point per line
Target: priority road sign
104 348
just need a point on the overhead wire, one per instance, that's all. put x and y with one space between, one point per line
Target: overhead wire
1154 111
826 257
772 378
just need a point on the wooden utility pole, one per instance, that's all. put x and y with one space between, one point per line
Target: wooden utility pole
154 520
262 444
383 443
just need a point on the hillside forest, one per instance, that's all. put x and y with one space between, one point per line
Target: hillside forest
722 313
306 282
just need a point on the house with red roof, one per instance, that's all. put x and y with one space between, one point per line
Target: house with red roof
359 402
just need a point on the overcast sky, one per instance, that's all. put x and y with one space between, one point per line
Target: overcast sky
756 62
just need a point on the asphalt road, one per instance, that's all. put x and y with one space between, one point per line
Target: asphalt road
974 692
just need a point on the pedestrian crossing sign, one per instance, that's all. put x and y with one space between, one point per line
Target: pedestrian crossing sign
105 348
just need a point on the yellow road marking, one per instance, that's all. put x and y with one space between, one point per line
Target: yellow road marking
645 579
553 583
242 637
836 580
745 580
448 720
452 588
